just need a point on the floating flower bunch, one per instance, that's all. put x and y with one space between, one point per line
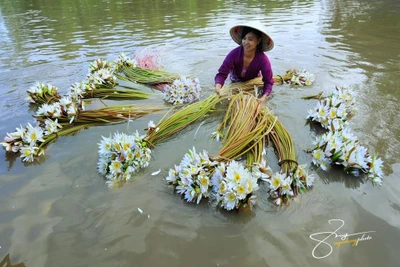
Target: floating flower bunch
123 61
339 105
295 77
122 155
284 186
100 64
198 177
65 109
42 93
234 185
192 176
101 82
341 147
182 90
302 78
101 74
29 140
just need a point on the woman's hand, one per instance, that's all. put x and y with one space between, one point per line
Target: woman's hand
218 88
262 100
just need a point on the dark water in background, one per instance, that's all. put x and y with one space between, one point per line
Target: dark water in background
61 213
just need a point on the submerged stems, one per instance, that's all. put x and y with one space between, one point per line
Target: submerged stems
181 119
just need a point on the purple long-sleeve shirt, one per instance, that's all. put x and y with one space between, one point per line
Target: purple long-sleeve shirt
233 65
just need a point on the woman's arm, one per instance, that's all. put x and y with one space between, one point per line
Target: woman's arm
266 71
225 69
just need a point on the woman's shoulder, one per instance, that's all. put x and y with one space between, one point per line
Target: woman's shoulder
262 56
234 54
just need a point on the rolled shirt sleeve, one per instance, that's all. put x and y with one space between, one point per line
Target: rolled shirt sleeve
267 75
226 67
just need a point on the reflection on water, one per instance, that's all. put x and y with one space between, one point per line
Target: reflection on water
61 213
6 262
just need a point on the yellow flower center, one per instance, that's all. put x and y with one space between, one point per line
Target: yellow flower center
222 188
204 181
33 136
240 190
117 147
116 165
286 186
231 197
318 155
276 182
126 146
236 177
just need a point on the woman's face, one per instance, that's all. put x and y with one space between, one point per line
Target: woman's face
250 41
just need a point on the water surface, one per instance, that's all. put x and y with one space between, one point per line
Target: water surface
60 212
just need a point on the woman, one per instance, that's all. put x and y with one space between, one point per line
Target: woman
248 60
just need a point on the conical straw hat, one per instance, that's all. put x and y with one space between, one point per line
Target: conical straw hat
236 34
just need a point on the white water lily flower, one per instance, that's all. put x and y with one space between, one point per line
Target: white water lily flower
105 145
322 110
241 190
277 180
182 91
204 183
115 167
65 102
286 187
34 134
151 125
235 173
102 166
325 164
230 200
300 171
318 156
309 179
376 168
28 153
251 185
190 194
51 126
172 175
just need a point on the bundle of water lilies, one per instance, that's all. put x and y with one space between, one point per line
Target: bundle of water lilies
42 93
181 91
295 77
30 141
68 110
101 81
229 183
338 105
340 146
285 186
121 156
64 117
